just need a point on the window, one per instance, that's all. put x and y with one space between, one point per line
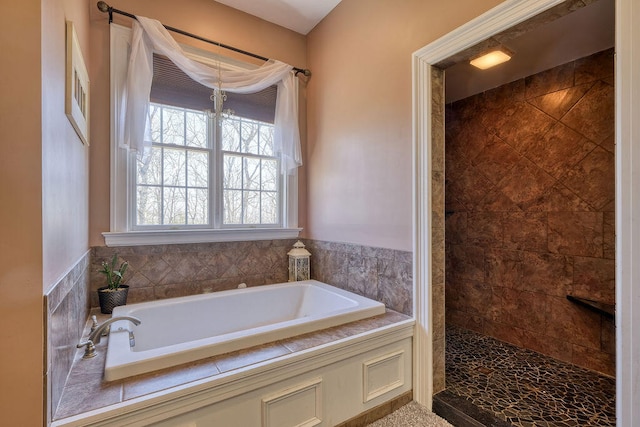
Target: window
207 176
172 179
251 182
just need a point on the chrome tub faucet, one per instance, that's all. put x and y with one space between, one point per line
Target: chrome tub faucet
96 334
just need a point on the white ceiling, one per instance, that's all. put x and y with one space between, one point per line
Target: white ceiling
297 15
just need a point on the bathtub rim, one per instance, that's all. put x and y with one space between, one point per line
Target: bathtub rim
121 364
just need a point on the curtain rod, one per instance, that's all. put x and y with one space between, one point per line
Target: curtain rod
104 7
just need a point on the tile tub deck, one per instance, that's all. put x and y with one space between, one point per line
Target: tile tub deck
85 389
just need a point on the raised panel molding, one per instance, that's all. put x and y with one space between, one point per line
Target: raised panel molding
382 374
297 406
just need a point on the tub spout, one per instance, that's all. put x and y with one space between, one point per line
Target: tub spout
96 335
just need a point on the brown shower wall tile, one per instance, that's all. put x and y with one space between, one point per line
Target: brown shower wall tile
593 178
485 229
550 274
558 199
464 320
518 123
596 360
474 298
576 233
529 199
470 140
525 182
559 150
510 92
593 115
598 66
595 279
556 104
496 159
609 235
557 78
608 336
471 188
456 227
504 268
525 231
609 143
572 323
555 348
467 262
521 309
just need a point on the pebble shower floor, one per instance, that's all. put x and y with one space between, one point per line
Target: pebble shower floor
523 387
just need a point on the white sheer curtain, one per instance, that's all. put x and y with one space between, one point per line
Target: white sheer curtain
150 36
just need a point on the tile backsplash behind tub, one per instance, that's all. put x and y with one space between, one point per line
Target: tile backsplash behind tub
166 271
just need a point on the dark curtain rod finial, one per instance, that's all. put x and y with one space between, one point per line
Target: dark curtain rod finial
105 8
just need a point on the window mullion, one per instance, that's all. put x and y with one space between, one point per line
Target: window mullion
242 172
215 171
162 202
186 168
261 188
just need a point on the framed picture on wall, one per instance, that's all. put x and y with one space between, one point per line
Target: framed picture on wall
76 103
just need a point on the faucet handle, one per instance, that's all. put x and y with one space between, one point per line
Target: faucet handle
94 323
90 351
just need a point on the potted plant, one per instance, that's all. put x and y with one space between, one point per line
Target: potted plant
115 293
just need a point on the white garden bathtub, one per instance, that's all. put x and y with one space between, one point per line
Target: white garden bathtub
185 329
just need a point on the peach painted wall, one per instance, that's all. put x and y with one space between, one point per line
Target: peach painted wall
202 17
359 154
65 159
21 334
44 225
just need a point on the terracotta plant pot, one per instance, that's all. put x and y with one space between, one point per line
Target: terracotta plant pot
109 299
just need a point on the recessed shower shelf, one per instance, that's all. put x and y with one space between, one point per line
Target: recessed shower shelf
608 310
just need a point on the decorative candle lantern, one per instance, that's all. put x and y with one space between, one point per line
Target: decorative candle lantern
299 263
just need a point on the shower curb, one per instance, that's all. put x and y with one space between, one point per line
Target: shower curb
462 412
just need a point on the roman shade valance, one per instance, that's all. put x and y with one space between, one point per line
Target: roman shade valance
149 37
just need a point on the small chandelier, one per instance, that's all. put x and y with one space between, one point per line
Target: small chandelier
299 263
218 97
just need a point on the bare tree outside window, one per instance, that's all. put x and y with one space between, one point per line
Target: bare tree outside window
250 183
174 178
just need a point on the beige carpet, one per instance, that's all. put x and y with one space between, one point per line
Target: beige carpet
411 415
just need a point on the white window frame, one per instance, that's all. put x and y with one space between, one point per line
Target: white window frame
123 172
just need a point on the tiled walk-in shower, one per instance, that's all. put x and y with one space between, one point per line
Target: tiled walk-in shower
520 387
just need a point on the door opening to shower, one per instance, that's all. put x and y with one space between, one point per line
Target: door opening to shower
529 209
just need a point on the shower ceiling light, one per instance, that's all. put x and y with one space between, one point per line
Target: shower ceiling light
491 59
